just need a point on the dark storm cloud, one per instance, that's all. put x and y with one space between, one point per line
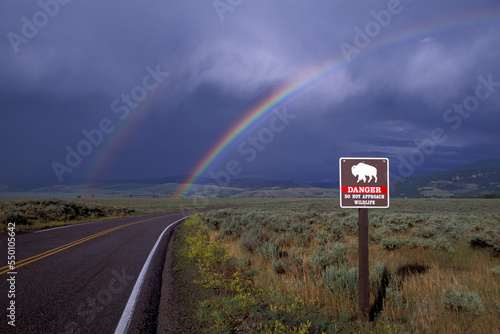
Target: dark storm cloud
62 71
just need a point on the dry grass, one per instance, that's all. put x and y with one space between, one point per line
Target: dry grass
420 276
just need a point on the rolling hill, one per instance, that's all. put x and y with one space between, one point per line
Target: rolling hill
475 179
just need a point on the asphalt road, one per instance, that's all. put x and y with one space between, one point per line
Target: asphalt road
79 279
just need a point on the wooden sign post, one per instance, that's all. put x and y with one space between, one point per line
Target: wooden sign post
363 269
364 183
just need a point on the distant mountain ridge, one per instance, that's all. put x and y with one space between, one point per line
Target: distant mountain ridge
29 185
470 180
490 163
167 187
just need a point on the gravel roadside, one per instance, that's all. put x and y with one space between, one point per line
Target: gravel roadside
179 297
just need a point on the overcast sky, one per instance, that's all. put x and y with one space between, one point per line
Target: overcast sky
140 89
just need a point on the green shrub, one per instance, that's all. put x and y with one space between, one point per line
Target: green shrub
13 217
350 225
248 243
335 229
230 228
322 238
376 275
443 243
398 226
348 279
496 270
278 266
427 232
321 259
460 301
344 278
376 219
49 210
420 242
391 243
269 250
252 218
487 239
244 262
382 233
337 254
336 232
480 240
297 260
394 294
454 229
330 278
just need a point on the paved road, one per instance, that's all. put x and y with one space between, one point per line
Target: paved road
78 279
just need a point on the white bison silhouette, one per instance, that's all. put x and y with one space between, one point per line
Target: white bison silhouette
363 170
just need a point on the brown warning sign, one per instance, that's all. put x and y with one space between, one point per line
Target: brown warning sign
364 182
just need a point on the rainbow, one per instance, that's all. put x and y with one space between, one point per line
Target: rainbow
257 114
280 97
294 88
123 128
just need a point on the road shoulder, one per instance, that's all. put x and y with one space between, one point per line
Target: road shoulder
179 295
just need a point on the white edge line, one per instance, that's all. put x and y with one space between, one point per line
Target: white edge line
129 308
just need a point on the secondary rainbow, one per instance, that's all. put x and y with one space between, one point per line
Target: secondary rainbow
107 150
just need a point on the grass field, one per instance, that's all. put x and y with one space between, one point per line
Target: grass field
291 267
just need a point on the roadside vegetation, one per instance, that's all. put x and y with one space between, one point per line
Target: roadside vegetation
152 205
39 214
291 267
35 214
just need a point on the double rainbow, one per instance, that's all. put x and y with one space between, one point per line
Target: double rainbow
285 94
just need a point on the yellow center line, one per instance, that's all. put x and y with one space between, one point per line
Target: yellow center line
40 256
